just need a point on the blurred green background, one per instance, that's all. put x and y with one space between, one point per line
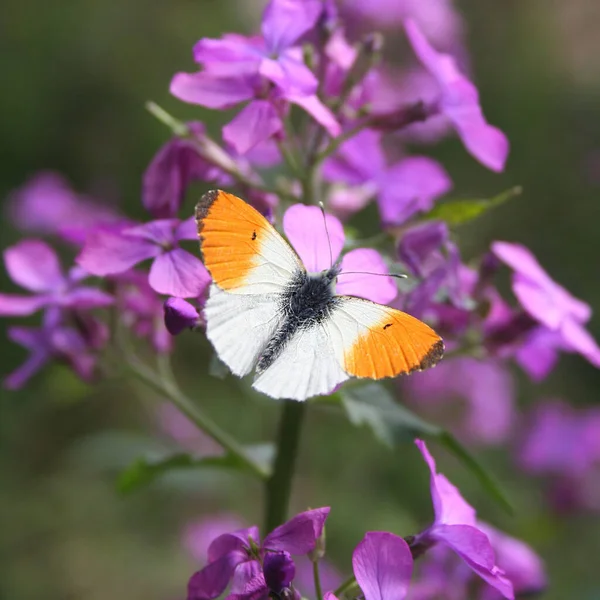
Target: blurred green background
76 75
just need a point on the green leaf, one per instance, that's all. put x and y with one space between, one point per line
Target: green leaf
144 471
373 406
458 212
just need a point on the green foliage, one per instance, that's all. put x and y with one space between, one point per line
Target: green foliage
459 212
392 424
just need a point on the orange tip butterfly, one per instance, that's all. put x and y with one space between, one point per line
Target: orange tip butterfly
266 313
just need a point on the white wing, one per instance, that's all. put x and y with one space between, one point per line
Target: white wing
239 326
307 366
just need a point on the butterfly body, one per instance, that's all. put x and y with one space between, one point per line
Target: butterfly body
266 312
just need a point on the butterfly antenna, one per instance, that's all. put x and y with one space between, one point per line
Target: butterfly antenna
322 207
396 275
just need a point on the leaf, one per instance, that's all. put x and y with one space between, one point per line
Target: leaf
144 471
458 212
372 405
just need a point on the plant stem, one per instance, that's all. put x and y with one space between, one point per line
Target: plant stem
345 585
167 387
279 485
317 578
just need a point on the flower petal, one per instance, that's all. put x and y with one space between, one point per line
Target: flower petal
86 298
285 21
178 273
474 547
186 230
32 339
319 112
235 541
308 233
210 91
382 564
34 265
411 186
257 122
179 315
538 354
289 73
360 264
279 570
298 535
449 506
15 305
107 252
580 340
211 581
460 103
229 56
420 247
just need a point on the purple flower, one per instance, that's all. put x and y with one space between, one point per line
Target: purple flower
305 229
455 526
174 271
54 340
265 70
198 535
238 555
485 386
33 265
279 570
547 302
140 309
409 186
47 205
382 564
180 315
521 564
169 173
459 102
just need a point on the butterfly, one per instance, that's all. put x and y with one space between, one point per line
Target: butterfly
266 313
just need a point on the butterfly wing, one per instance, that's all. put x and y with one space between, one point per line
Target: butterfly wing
251 266
306 366
242 251
376 341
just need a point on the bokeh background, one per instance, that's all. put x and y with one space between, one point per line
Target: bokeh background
75 77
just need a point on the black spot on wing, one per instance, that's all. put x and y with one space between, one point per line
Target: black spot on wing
203 206
253 235
433 356
387 325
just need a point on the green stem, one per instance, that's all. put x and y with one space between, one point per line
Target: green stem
167 387
317 578
279 485
345 586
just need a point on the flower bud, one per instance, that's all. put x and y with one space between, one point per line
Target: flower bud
279 570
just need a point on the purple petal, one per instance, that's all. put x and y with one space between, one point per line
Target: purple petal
211 581
86 298
34 265
244 577
307 231
285 21
411 186
360 283
358 160
319 112
168 175
580 340
298 535
186 230
538 354
290 75
420 247
382 564
236 541
180 315
449 506
345 201
256 123
279 570
460 103
160 232
229 56
210 91
20 306
178 273
107 252
330 596
255 588
473 546
38 357
198 534
523 567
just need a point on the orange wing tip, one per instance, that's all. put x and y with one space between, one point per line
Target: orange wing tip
432 358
